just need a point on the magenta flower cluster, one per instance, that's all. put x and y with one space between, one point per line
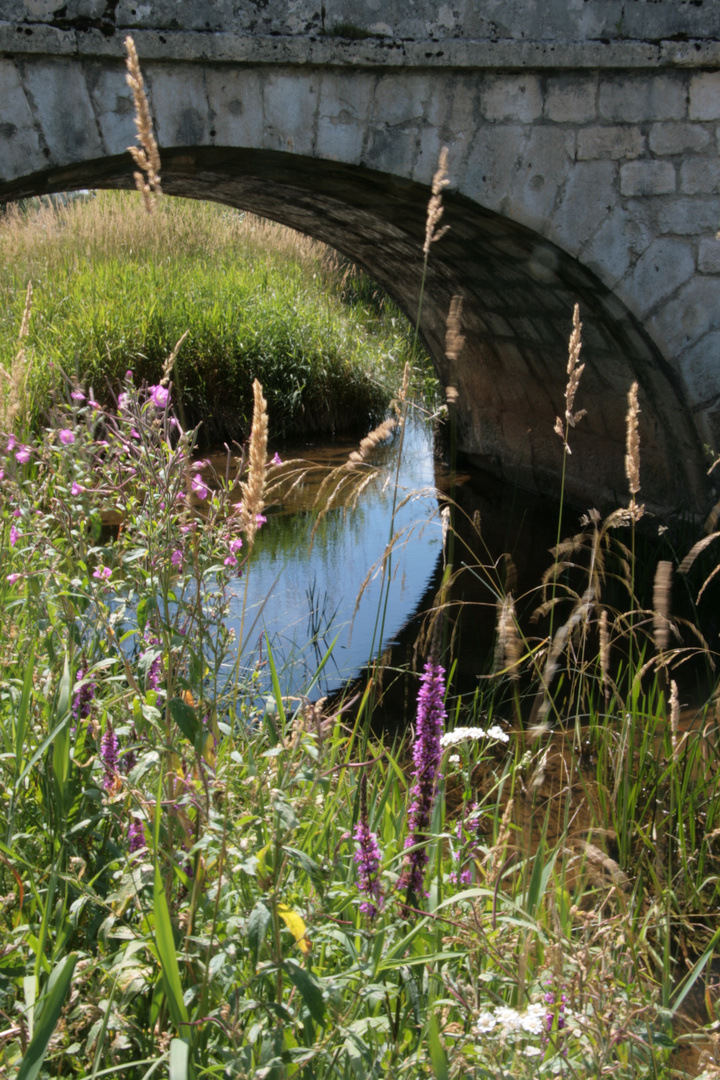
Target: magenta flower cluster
368 858
109 747
430 722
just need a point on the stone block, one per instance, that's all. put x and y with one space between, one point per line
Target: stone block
588 196
290 106
179 104
342 115
235 101
647 178
401 99
390 150
665 266
699 176
705 96
540 175
688 217
571 100
700 367
688 316
675 138
20 150
512 97
64 110
113 104
609 142
642 97
493 162
709 256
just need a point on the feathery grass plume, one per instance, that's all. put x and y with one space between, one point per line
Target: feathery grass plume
507 649
604 651
574 371
13 406
632 452
435 206
674 717
379 435
170 362
454 344
253 489
146 156
496 855
662 588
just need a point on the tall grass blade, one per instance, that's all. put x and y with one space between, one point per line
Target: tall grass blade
48 1013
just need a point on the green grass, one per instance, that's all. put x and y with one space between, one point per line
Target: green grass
115 290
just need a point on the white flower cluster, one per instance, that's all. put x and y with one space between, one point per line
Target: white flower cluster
466 734
529 1022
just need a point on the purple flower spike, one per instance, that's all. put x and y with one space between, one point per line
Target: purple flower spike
368 858
136 836
82 700
109 747
426 760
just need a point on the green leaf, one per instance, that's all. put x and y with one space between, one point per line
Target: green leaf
309 988
185 717
22 713
179 1055
47 1015
257 926
438 1057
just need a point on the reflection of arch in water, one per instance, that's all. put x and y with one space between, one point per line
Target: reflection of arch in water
518 293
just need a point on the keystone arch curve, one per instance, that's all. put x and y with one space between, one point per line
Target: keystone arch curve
518 291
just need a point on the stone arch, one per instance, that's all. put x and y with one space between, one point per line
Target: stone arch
518 292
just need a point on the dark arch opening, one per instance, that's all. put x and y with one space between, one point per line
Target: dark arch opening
518 292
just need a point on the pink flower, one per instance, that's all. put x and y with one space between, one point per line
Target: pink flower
123 400
260 520
128 375
102 573
22 455
14 536
18 513
200 464
66 436
277 460
199 487
177 559
77 395
2 474
12 578
11 444
160 396
230 560
76 489
235 544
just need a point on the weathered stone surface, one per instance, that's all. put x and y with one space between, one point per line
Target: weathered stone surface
63 109
588 197
665 266
21 142
674 138
633 99
699 176
510 97
689 315
705 96
709 256
647 178
618 143
571 100
180 105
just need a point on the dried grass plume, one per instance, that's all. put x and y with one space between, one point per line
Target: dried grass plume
574 371
253 489
435 206
146 156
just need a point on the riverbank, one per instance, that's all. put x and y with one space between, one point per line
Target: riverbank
115 288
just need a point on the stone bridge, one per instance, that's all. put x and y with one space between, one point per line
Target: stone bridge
584 167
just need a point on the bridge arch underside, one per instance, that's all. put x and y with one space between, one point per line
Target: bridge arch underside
518 292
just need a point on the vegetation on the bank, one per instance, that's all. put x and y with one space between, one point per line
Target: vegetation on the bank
197 881
115 289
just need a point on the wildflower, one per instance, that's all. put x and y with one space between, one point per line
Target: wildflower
368 858
160 396
177 559
22 456
123 400
83 696
461 734
14 535
454 759
11 444
128 375
277 460
152 676
109 746
426 760
200 487
77 395
12 578
2 474
235 544
496 732
136 835
102 573
76 489
66 436
230 560
260 520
